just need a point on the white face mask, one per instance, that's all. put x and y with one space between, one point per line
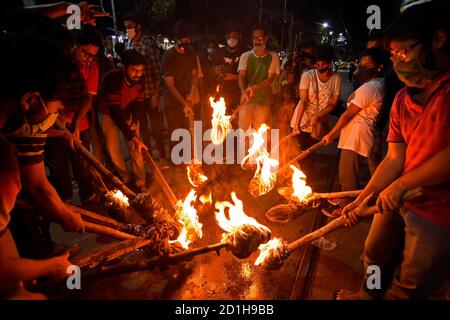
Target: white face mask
131 33
37 128
232 42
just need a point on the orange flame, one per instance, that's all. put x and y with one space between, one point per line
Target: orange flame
187 216
266 248
220 121
120 197
195 177
266 167
236 215
301 190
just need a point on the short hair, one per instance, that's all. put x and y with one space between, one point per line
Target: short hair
133 16
379 56
261 27
88 35
47 70
182 29
132 57
419 22
231 26
324 52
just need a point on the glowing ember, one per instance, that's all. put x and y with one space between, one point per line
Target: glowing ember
195 175
273 254
206 198
266 168
220 121
301 190
121 199
187 217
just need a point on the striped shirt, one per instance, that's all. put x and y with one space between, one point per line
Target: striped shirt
30 148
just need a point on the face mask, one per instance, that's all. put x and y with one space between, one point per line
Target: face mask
131 33
413 74
37 128
365 74
323 70
232 42
210 51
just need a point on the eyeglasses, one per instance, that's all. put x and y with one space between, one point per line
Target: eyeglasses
403 53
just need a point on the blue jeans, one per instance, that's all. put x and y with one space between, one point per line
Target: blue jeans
413 255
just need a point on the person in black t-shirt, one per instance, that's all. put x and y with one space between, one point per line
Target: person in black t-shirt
180 72
227 67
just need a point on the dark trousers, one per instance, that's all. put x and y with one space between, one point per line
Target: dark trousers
144 113
418 247
57 158
305 140
31 231
176 119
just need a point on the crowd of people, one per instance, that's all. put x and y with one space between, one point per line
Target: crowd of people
61 89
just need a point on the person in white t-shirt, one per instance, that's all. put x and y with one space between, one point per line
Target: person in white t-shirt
356 126
319 94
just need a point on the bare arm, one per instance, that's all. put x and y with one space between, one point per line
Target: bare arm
388 171
45 197
242 76
14 268
344 119
330 107
301 108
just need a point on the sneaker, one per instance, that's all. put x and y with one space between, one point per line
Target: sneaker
333 214
324 244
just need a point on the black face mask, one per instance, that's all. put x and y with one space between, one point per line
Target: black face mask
323 70
365 74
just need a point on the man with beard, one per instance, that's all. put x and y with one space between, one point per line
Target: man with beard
121 93
415 238
145 45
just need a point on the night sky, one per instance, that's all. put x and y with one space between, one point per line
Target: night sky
209 16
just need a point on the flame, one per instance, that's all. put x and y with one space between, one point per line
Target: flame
236 215
301 190
266 167
122 199
266 248
206 198
195 177
220 121
187 216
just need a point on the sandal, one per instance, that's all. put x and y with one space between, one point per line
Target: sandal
324 244
334 214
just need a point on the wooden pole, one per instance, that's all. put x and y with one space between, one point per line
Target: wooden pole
96 218
103 230
88 156
160 178
364 210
